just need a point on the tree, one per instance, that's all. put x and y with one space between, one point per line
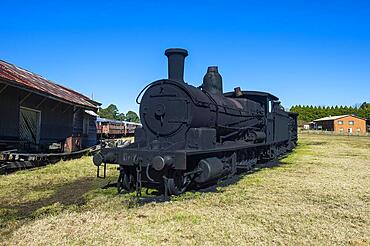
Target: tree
121 116
110 112
364 110
310 113
132 117
365 105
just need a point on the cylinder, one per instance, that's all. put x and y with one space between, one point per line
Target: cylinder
211 169
176 59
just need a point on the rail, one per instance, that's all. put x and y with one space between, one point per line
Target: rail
12 160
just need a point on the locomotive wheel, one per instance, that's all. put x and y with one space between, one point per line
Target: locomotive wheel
126 182
177 185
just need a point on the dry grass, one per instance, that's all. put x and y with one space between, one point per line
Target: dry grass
319 195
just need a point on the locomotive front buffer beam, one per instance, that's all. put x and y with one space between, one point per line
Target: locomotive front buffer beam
134 157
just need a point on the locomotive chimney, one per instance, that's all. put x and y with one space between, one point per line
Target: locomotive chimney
176 58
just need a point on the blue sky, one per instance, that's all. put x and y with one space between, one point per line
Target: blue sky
305 52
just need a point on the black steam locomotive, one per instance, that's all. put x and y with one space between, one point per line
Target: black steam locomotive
194 136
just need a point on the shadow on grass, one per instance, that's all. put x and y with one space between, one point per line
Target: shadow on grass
313 143
67 194
214 188
74 194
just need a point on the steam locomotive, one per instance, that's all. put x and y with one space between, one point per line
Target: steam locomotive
192 137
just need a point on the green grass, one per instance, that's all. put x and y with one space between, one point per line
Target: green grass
319 194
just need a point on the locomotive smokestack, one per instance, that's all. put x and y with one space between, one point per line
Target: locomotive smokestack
176 58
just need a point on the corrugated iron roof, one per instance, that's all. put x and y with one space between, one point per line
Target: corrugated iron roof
336 117
24 78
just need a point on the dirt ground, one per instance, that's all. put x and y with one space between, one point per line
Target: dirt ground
319 194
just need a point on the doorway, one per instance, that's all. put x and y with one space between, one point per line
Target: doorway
29 125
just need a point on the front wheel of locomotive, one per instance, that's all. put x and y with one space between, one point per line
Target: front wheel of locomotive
177 184
126 181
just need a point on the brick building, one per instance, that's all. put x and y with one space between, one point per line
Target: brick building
346 124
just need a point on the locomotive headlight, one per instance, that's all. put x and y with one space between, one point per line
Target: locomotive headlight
159 162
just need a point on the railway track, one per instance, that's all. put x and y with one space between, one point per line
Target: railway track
11 160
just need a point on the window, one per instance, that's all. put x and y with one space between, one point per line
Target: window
341 129
340 122
351 122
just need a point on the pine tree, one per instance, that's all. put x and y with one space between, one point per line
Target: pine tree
308 113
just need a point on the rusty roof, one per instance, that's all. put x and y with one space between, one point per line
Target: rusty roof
23 78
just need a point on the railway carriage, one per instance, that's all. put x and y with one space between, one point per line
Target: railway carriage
107 128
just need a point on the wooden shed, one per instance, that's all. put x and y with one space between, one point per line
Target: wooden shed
37 114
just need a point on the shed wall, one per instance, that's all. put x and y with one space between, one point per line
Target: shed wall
9 113
92 132
89 136
56 117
